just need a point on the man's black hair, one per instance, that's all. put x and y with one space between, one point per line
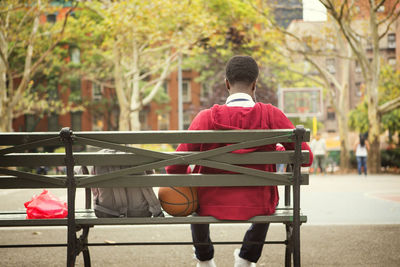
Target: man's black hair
243 69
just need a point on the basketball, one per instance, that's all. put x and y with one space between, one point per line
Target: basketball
178 201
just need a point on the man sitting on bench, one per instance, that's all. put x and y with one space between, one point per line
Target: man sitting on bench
236 203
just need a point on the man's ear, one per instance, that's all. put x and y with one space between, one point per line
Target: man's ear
228 86
253 86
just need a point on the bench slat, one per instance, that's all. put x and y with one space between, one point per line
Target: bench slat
88 218
106 159
192 180
159 180
153 137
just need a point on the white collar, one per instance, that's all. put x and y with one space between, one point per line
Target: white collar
240 100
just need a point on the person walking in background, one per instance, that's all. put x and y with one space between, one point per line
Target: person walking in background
318 147
280 167
361 149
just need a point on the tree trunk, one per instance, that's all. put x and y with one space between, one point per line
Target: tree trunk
344 106
344 129
6 120
135 104
134 120
124 120
374 118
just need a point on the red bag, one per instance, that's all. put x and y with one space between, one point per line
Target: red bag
45 206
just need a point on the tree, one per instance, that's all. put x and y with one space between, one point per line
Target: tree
132 46
389 90
241 31
25 46
313 43
346 15
316 45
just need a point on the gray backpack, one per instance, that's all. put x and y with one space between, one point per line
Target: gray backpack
121 201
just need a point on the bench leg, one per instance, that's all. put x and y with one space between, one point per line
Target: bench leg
86 257
83 241
80 245
289 245
296 246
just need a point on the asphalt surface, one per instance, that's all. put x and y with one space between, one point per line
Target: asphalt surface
352 221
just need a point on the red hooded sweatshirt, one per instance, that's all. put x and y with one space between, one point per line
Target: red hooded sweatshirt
237 203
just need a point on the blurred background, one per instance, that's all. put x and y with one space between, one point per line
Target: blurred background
331 65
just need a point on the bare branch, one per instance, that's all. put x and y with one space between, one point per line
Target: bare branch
58 39
310 77
389 106
153 92
29 70
390 18
379 5
11 48
12 8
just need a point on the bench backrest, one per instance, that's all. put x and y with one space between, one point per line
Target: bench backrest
137 160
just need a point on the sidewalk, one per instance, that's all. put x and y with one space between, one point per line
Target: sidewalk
352 221
338 245
352 199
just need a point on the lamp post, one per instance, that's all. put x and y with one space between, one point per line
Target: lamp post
180 100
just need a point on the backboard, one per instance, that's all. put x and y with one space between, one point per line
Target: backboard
301 102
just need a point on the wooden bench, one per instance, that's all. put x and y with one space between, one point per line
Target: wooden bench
14 156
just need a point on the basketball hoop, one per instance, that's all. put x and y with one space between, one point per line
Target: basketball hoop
303 102
302 110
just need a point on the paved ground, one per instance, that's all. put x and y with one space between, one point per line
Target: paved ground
352 221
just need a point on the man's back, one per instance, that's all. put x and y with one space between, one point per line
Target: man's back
236 203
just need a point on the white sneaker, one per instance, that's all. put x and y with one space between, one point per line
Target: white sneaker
240 262
209 263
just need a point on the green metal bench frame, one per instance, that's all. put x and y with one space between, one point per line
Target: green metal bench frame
139 160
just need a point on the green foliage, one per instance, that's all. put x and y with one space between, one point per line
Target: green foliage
389 88
358 118
307 123
33 54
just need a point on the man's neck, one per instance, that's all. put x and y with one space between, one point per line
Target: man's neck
240 90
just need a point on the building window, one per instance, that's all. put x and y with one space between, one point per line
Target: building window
165 87
52 123
30 123
75 94
205 92
357 69
392 62
75 55
330 114
51 18
76 121
52 92
187 119
96 91
97 122
186 93
391 40
330 65
330 44
163 121
358 89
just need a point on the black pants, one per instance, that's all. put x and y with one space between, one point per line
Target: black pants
250 252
